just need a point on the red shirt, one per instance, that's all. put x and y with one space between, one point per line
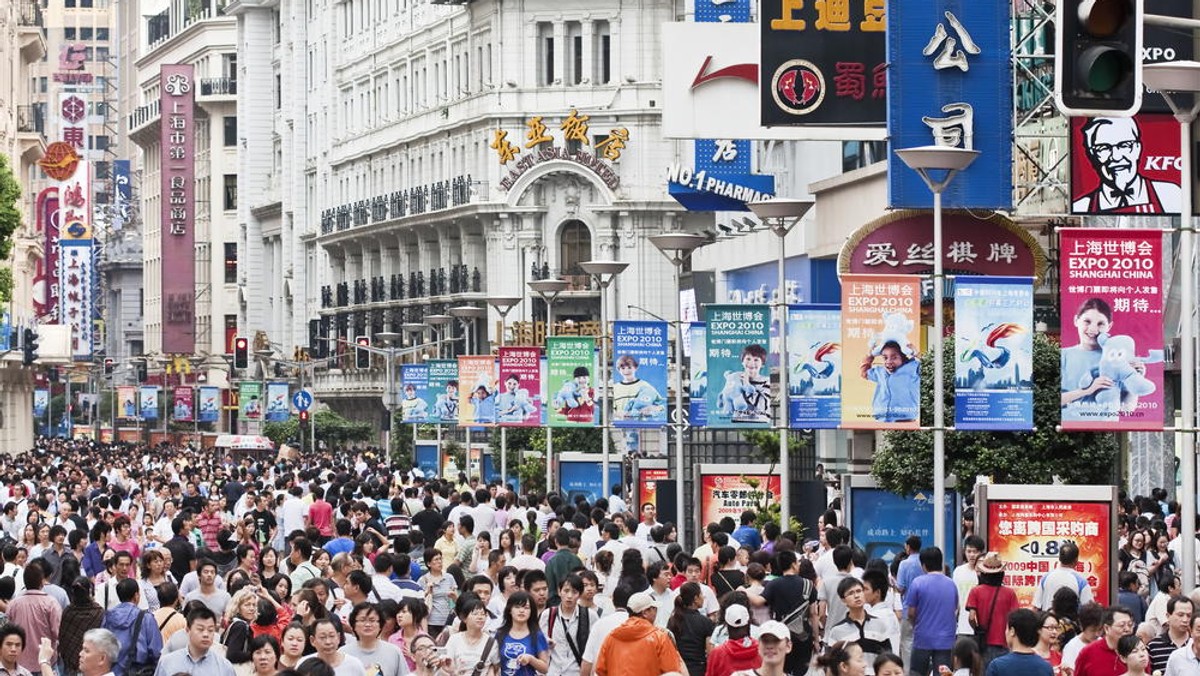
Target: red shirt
980 598
320 515
209 525
1097 659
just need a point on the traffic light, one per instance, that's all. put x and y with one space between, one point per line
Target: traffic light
362 358
241 352
1098 64
303 417
30 347
108 366
143 372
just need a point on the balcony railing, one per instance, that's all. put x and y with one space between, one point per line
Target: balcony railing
143 114
29 14
30 119
218 86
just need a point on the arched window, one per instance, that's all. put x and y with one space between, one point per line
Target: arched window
574 247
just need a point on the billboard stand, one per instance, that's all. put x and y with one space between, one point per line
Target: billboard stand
721 490
891 518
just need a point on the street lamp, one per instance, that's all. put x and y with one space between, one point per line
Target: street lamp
782 214
678 247
1183 77
467 315
548 290
437 322
389 393
604 272
946 161
504 305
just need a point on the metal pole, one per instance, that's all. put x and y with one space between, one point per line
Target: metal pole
549 430
1187 337
388 399
466 468
679 424
939 401
604 441
504 430
785 475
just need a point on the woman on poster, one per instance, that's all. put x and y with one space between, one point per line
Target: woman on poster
1081 378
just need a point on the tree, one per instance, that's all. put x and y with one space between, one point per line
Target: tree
904 464
331 428
10 220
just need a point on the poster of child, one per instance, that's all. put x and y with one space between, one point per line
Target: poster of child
739 389
570 363
880 320
519 402
441 393
640 370
477 390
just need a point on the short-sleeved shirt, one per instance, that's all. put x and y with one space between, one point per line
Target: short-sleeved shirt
1097 659
464 654
1019 664
981 599
935 599
784 594
511 650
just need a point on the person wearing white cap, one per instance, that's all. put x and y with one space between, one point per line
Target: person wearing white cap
740 651
638 647
774 644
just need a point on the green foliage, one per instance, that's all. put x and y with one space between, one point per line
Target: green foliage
904 464
766 443
10 215
333 429
532 474
569 440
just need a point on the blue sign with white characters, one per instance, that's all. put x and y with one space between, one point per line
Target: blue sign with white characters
950 83
881 520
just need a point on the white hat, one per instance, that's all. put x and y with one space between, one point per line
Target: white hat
775 629
736 615
640 603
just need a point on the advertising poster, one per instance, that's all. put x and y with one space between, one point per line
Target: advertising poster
570 367
181 408
698 376
881 317
639 374
278 408
209 407
41 402
1112 329
723 495
881 520
1125 165
814 337
519 402
148 402
127 402
250 396
739 391
414 388
476 391
442 391
582 477
993 353
1028 535
426 458
647 489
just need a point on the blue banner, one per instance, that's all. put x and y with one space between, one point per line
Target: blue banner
121 196
41 402
414 390
814 337
639 388
950 83
880 522
208 410
577 477
148 402
277 402
441 392
739 388
426 458
698 377
993 353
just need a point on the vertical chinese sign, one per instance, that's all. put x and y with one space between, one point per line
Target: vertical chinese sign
1112 336
122 193
814 348
639 387
880 318
570 386
950 84
993 354
177 235
739 387
824 62
519 402
75 262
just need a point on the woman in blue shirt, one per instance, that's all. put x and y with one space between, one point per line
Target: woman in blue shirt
524 650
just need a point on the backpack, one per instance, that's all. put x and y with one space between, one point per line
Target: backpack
796 619
582 631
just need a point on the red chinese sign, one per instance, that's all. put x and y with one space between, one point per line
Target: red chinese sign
177 144
723 495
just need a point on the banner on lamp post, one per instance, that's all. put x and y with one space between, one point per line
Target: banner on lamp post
519 401
993 354
477 391
414 389
278 409
739 388
441 393
181 409
880 318
640 374
570 365
814 345
209 408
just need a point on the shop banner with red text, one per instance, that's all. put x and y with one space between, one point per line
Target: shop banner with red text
723 495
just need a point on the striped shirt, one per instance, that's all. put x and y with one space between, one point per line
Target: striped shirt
872 636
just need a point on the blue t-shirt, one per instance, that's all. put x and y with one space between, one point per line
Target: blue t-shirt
935 597
897 394
512 648
1019 664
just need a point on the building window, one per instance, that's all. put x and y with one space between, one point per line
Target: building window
230 192
102 34
43 83
230 131
574 247
602 57
278 92
85 33
70 33
546 56
102 53
98 142
574 48
231 260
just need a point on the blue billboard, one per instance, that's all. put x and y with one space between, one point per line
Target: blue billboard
582 477
880 521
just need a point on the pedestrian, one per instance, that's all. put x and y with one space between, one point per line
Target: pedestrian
931 604
988 606
1100 657
1023 637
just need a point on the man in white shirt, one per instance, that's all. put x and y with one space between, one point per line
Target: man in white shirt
659 574
292 512
382 579
484 514
615 503
564 625
649 514
965 579
527 559
463 507
590 536
1064 575
601 630
162 527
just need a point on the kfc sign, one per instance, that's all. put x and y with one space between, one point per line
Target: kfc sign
1125 165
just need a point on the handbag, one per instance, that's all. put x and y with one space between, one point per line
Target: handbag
481 665
981 632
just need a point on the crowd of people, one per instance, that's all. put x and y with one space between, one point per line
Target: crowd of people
168 560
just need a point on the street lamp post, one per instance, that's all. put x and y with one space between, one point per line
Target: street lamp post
946 161
549 289
604 272
1171 79
466 315
389 393
678 247
781 215
503 305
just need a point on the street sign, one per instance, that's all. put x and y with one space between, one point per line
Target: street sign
302 400
391 400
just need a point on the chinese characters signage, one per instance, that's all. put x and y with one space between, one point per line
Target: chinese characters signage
880 316
950 84
177 238
739 382
537 146
75 275
723 495
519 401
570 381
639 389
1112 336
993 353
824 62
71 59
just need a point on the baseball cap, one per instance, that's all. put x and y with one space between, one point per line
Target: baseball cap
774 629
736 615
640 603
